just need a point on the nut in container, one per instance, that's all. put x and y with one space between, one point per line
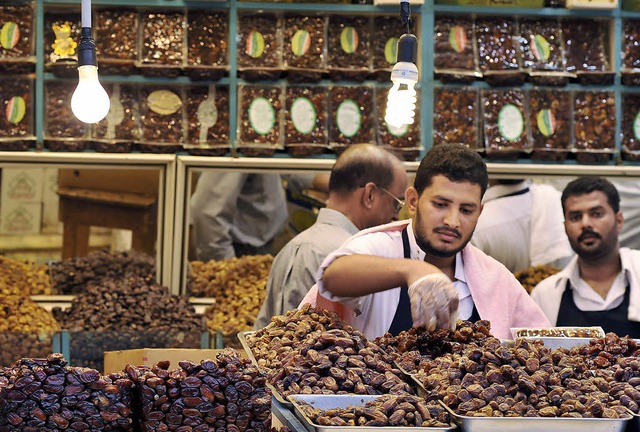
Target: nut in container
17 45
455 55
207 35
61 36
17 131
351 109
116 40
306 120
594 114
208 120
260 119
259 46
349 47
506 131
163 49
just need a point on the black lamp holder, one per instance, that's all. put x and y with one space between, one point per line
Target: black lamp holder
407 43
87 48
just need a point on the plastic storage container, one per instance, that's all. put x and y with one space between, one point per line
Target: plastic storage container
405 140
506 129
61 37
306 120
62 130
208 120
259 51
161 118
17 44
116 37
352 117
207 52
456 117
550 123
304 53
16 122
163 47
260 119
118 131
349 48
594 117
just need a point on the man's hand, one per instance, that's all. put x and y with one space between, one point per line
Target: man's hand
434 302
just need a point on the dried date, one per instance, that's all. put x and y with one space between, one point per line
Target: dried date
351 116
260 108
454 44
505 128
456 117
161 115
348 47
550 119
163 50
304 38
594 125
630 126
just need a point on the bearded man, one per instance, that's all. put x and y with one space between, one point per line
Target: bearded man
423 271
599 286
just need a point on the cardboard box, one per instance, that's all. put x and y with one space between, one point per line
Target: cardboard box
115 361
50 221
21 185
50 185
18 218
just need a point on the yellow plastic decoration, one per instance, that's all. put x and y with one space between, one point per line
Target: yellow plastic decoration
63 46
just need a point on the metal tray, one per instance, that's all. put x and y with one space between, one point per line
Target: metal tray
326 402
565 330
242 337
537 424
245 344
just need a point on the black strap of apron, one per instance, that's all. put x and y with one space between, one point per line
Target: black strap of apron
613 320
402 319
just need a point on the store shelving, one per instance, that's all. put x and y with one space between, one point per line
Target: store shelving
178 167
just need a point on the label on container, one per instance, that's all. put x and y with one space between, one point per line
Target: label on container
391 50
398 131
546 122
458 38
636 126
9 35
540 48
254 44
348 118
349 40
262 116
300 42
16 109
164 102
303 115
510 122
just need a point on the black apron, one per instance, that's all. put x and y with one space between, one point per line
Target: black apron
402 320
613 320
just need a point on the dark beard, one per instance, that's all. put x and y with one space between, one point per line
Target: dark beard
428 248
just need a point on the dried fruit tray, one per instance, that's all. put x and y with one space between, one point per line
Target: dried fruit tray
538 424
325 402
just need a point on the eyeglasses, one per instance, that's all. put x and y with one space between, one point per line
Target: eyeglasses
398 202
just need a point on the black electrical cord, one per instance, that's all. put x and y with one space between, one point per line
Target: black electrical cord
405 14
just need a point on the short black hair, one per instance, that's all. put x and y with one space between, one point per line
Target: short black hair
587 184
361 164
456 162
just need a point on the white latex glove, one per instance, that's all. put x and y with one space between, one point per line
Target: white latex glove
434 302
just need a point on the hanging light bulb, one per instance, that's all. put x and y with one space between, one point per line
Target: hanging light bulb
90 102
401 101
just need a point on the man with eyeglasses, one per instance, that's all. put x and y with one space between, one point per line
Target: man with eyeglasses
423 271
364 189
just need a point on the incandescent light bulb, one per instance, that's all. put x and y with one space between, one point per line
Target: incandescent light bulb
90 102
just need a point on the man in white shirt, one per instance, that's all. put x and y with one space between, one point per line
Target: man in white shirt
236 213
399 275
521 225
366 188
599 287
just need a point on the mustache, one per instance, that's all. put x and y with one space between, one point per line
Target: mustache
588 232
448 231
